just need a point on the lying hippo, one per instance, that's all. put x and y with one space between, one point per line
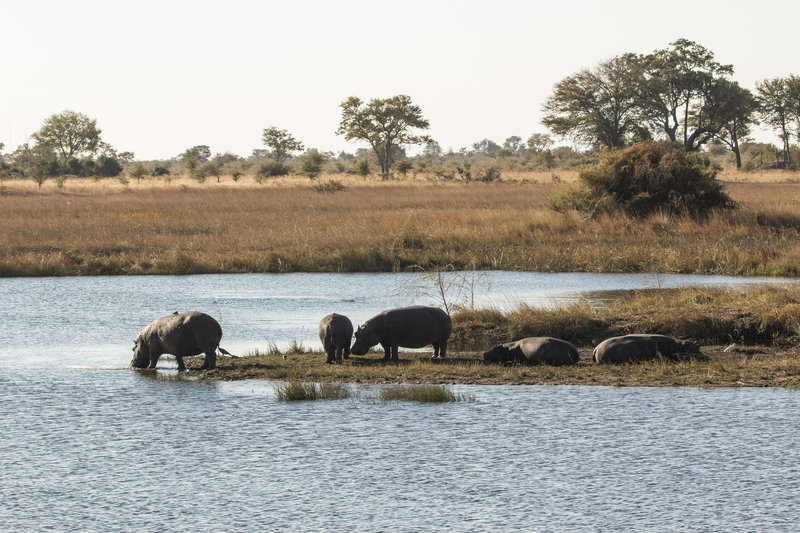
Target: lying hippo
534 351
180 335
335 332
643 347
409 327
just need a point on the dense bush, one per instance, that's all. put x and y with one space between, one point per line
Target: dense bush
648 177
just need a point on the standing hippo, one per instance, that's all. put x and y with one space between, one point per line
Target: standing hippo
409 327
643 347
181 335
335 332
534 351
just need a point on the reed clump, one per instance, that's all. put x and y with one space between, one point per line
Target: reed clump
294 391
422 394
381 226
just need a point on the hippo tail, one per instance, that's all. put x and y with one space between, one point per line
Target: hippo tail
223 351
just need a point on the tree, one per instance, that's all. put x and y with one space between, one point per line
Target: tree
311 162
281 142
684 92
598 107
737 129
539 142
194 157
137 172
775 108
514 144
384 123
69 135
485 146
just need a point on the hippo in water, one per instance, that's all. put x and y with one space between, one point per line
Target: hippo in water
335 332
643 347
409 327
534 351
181 335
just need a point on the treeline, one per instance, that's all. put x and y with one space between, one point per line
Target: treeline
679 94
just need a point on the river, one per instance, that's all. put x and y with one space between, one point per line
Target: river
86 448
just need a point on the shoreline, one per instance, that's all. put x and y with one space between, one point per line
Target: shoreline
747 366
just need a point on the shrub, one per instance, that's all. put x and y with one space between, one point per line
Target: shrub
422 394
329 186
648 177
293 391
270 169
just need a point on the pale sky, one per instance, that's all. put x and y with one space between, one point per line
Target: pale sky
162 76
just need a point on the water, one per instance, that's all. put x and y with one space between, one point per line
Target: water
100 450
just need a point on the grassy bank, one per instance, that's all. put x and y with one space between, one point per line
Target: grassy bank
185 228
764 322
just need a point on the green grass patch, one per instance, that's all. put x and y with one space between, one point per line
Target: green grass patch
296 391
422 394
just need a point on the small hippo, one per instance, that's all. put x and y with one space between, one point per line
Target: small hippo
181 335
409 327
534 351
335 332
643 347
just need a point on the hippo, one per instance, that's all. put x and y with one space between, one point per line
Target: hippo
534 351
335 332
181 335
410 327
643 347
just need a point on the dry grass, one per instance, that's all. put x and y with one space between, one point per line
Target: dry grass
184 227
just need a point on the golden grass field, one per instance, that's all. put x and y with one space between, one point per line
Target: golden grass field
181 227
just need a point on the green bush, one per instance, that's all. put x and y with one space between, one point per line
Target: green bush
270 169
648 177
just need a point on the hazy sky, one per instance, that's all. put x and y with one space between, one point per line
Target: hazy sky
161 76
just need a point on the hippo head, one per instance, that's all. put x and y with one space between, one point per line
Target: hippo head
688 347
366 337
141 354
498 354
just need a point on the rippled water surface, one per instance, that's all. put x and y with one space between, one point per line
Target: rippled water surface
84 449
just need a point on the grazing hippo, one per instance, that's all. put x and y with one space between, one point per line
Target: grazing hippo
409 327
534 351
180 335
644 347
335 332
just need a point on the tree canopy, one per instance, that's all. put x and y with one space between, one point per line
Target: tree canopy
69 134
384 123
281 143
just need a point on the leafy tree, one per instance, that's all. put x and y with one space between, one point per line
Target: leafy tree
69 135
384 123
485 146
775 108
737 128
646 178
281 143
514 144
599 107
311 162
194 157
432 149
684 93
137 172
539 142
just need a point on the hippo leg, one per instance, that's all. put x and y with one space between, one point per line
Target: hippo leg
181 366
395 359
387 353
210 361
329 356
441 348
346 352
339 355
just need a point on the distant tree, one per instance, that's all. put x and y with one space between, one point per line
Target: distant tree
137 172
736 129
385 124
69 135
599 107
684 93
281 143
775 108
403 166
195 156
432 149
485 146
514 144
539 142
311 162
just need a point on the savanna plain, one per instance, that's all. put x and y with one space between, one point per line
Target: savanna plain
352 224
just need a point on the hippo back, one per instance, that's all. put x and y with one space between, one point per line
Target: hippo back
335 331
409 327
641 347
548 350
